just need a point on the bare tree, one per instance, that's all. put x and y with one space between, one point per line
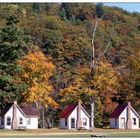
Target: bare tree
94 63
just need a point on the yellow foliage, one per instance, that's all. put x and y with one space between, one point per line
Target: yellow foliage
104 83
134 60
36 71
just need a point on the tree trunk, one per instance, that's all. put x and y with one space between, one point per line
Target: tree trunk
94 63
92 114
93 67
43 121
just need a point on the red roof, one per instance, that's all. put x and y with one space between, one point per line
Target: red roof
67 111
30 111
116 113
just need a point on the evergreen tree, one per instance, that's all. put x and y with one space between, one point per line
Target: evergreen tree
13 41
62 14
99 10
13 44
36 7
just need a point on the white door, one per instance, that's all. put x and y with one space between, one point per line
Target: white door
122 123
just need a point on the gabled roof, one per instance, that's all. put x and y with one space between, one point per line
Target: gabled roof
117 112
25 110
28 111
69 109
6 108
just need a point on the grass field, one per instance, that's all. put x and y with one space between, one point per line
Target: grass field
55 132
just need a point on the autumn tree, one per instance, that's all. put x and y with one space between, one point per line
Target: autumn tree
134 73
64 32
36 71
105 84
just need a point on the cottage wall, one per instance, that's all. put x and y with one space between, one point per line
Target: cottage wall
29 123
33 123
133 115
121 121
83 116
74 115
112 123
10 114
62 123
1 126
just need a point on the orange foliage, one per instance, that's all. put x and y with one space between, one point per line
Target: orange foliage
36 71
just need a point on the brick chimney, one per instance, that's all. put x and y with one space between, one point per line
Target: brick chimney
14 121
79 121
129 122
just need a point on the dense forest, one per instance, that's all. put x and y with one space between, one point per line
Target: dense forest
46 53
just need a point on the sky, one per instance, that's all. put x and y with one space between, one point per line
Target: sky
131 7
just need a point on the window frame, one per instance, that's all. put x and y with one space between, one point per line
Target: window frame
20 121
8 122
72 123
134 121
84 121
28 121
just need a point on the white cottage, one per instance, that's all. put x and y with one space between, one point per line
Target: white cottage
74 116
124 117
15 117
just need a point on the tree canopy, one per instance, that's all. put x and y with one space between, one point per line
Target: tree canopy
46 54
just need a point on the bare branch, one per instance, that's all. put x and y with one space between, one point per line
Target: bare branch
93 40
106 48
102 54
95 28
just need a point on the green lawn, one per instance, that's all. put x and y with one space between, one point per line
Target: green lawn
55 132
125 134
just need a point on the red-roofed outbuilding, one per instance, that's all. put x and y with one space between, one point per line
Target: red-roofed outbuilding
74 116
124 117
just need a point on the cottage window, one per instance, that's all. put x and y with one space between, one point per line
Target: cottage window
8 120
134 121
66 122
28 121
84 122
72 123
115 121
20 120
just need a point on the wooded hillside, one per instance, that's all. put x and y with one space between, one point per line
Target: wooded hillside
46 54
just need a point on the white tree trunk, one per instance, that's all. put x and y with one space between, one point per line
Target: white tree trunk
92 114
93 67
